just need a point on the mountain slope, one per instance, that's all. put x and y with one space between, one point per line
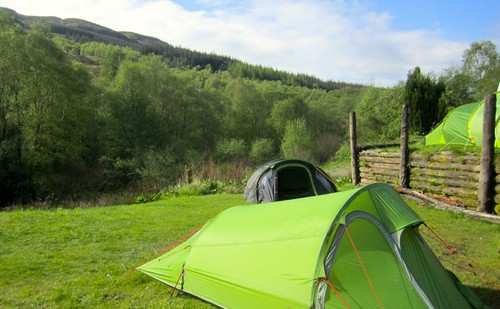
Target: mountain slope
82 31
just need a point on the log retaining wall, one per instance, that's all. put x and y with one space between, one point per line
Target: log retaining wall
447 175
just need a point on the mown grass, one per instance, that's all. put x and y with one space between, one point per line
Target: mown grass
476 244
86 258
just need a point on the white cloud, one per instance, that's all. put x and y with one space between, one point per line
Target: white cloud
336 40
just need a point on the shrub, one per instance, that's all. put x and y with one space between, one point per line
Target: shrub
262 150
325 146
296 142
231 149
343 153
118 172
160 167
203 187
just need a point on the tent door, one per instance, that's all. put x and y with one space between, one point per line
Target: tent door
364 267
294 182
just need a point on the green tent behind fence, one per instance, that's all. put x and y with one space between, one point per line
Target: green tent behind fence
454 129
352 249
464 126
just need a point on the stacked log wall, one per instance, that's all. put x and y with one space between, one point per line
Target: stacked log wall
452 176
379 166
446 174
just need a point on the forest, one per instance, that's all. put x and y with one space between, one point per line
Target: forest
82 117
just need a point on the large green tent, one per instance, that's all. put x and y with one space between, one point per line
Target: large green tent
463 126
352 249
454 127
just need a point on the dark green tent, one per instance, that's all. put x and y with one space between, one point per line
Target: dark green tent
281 179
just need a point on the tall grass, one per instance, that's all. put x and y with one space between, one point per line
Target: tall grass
211 170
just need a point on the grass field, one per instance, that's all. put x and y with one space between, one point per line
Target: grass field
86 258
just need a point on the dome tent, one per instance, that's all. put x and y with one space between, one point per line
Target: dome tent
464 126
454 129
353 249
286 179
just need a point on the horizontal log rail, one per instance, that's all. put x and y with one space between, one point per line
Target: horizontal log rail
367 171
367 159
446 182
447 157
447 174
445 166
453 177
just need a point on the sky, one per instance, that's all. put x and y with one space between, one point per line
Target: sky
371 42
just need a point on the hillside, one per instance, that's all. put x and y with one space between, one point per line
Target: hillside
82 31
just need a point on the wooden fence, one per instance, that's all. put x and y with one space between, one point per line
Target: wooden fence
469 180
443 175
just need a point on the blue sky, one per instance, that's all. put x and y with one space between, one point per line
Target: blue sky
458 20
361 41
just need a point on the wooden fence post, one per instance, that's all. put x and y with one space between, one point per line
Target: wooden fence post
354 149
487 175
404 166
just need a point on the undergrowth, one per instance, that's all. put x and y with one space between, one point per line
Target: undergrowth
199 188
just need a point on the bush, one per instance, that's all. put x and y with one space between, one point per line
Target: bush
231 149
207 187
203 187
160 167
262 150
296 142
343 153
325 146
118 172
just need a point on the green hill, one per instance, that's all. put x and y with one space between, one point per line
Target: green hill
82 31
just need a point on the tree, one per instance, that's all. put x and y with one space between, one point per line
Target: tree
296 142
246 115
132 124
13 173
152 111
286 110
262 150
232 149
477 76
199 111
423 95
482 63
460 87
379 114
43 114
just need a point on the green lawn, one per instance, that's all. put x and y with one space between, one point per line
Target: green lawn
477 245
85 258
